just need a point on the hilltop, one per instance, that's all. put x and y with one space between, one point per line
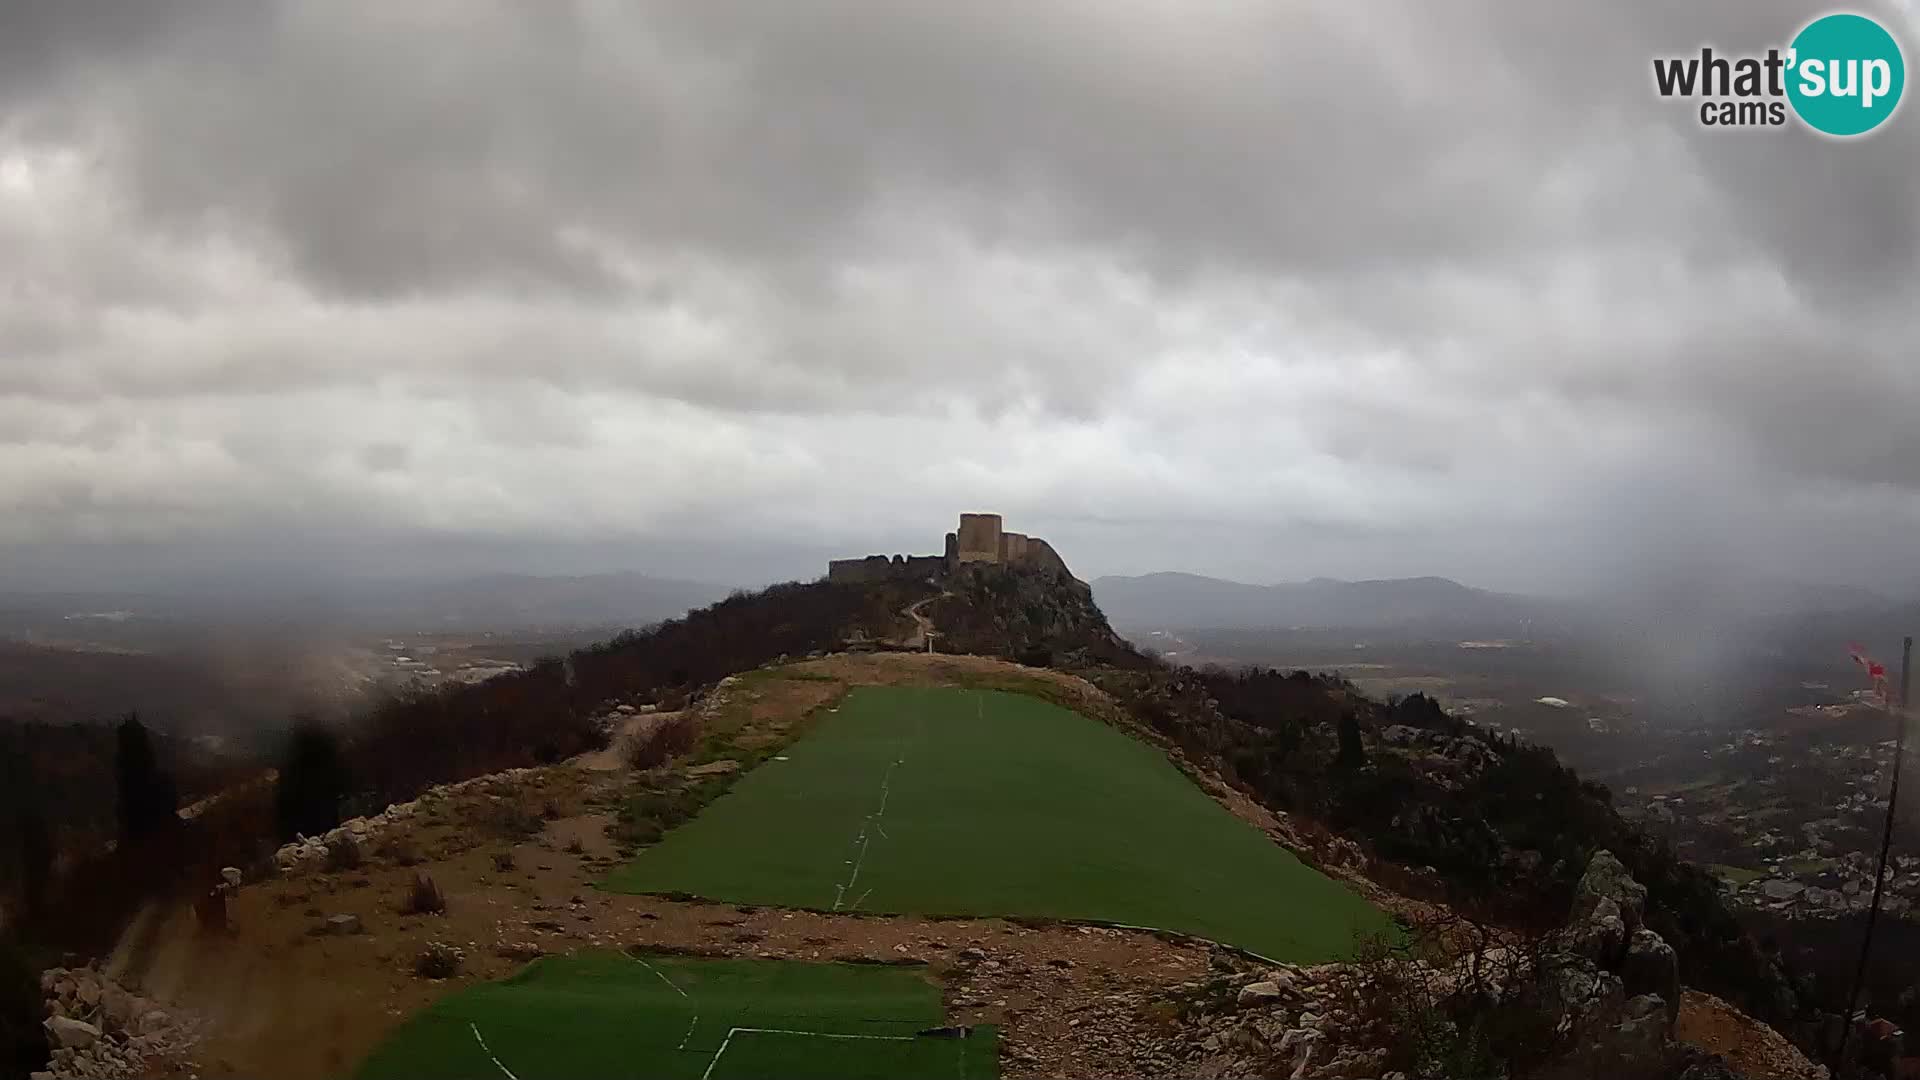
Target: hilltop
1469 838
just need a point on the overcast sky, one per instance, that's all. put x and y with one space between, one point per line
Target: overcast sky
715 289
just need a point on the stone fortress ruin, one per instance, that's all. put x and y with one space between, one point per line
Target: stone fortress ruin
979 544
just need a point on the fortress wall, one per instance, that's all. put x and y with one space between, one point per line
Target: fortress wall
979 538
851 571
1013 547
1041 554
884 568
980 542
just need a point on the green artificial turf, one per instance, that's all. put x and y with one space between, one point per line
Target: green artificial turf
607 1014
965 802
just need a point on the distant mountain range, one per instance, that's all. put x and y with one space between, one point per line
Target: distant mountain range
524 600
1685 607
1188 601
488 602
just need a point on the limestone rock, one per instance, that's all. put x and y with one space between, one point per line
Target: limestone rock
68 1033
117 1008
1652 967
232 876
1602 935
1265 990
343 924
1607 879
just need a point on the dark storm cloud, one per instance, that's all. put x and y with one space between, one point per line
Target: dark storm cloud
1290 290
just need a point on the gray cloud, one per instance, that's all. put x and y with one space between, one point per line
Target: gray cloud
1266 291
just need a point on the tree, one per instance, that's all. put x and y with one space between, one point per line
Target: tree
149 803
1352 754
313 779
23 1042
36 859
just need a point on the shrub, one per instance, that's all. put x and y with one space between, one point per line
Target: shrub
640 831
676 736
575 847
424 897
516 822
438 961
503 861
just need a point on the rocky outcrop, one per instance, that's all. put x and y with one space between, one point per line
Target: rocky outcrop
1252 1019
1601 994
98 1029
1650 966
1607 881
306 850
1604 928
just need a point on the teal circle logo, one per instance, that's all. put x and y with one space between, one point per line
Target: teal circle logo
1846 74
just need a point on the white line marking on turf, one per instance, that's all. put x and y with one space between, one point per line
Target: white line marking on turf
873 819
483 1049
731 1032
676 989
662 974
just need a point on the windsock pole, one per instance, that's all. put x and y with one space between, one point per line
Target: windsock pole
1898 708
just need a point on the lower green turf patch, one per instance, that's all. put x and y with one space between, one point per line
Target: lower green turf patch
966 802
608 1014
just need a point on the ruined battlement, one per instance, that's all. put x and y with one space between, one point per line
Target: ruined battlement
885 568
979 543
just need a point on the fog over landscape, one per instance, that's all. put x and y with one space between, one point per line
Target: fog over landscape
719 538
715 292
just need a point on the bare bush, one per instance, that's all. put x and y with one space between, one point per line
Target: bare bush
424 897
517 822
438 961
1461 998
676 736
503 861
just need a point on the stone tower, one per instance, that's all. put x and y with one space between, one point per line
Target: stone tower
979 538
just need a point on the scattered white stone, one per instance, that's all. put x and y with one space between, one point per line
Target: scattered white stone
1266 990
72 1034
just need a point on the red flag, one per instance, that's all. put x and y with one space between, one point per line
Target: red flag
1876 672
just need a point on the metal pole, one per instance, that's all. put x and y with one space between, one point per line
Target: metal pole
1886 841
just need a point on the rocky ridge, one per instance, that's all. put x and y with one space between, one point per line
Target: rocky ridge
99 1029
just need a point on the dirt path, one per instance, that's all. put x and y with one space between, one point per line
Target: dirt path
632 729
922 623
